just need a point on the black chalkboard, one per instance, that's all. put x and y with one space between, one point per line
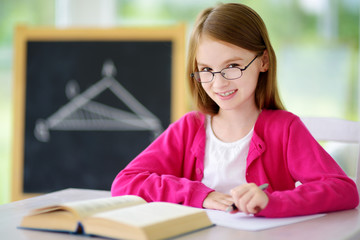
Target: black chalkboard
90 107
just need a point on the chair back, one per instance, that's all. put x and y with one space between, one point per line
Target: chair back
337 130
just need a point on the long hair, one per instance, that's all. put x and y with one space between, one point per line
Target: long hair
241 26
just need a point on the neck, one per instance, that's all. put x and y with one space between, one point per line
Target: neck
230 126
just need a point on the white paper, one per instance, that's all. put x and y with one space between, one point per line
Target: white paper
242 221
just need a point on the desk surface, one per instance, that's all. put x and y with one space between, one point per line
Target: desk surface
337 225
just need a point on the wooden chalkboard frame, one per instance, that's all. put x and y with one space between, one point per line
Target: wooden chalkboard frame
24 34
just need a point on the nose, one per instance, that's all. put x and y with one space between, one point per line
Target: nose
219 80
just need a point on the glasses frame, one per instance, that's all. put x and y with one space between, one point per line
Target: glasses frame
213 73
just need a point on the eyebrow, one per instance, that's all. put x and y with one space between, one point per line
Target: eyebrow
234 59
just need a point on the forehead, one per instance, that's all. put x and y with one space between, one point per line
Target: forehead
211 51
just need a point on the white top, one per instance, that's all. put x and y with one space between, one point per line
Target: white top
225 163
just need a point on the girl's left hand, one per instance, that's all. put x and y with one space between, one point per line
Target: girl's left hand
249 198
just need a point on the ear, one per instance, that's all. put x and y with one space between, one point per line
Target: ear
264 61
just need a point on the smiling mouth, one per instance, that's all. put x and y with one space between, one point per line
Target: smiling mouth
225 94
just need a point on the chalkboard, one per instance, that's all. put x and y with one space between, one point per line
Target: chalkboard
87 101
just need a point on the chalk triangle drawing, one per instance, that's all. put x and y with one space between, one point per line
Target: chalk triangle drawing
83 113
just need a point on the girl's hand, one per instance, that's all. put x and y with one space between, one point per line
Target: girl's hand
249 198
217 201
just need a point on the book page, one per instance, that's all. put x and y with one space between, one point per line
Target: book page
51 221
242 221
85 208
90 207
149 214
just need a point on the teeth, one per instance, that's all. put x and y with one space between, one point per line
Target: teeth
227 93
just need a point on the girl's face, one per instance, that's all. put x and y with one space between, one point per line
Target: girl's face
239 94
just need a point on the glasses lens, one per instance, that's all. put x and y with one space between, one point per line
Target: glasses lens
203 76
231 73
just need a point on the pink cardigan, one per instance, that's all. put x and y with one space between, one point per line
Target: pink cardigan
282 151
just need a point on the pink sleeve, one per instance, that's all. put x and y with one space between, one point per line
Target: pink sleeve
325 187
166 170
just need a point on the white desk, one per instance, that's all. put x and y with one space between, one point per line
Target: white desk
333 226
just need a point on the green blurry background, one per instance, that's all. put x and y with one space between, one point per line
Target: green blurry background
317 45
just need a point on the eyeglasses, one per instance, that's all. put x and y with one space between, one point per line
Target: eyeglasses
229 73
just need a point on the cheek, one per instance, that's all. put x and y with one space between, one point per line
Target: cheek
251 87
253 79
206 87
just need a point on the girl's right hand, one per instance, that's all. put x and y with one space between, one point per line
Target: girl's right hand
217 201
249 198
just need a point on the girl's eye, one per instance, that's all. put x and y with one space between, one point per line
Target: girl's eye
206 69
233 65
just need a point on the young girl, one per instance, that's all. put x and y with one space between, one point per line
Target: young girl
241 138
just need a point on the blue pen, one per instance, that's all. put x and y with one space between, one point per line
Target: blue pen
233 207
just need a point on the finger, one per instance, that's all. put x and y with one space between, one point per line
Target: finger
257 203
257 209
221 206
216 205
243 194
253 205
243 202
239 191
227 200
218 201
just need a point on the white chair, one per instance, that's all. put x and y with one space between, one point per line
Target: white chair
336 130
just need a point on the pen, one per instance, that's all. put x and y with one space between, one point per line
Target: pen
233 207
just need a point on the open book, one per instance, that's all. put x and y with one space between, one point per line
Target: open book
118 217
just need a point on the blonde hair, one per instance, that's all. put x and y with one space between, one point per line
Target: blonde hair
241 26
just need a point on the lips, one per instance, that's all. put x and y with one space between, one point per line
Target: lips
226 94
